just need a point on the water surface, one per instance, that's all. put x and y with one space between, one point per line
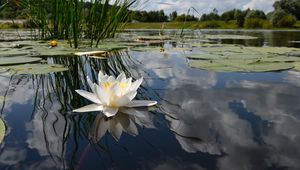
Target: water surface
204 120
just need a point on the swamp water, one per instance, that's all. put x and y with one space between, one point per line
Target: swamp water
205 118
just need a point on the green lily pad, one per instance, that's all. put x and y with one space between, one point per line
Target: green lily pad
260 66
212 65
148 48
56 51
280 58
149 38
229 56
35 68
181 49
206 45
2 130
223 49
92 53
273 50
205 56
228 36
227 49
109 47
297 66
239 66
17 60
7 52
295 53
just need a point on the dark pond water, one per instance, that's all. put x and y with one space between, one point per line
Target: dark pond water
204 120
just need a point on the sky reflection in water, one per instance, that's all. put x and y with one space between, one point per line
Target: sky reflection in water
205 120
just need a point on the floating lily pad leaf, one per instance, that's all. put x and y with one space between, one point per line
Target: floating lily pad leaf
229 56
212 65
280 59
148 38
273 50
109 47
2 130
232 49
205 56
228 36
266 67
206 45
295 53
239 66
181 49
297 66
56 51
17 60
36 68
17 44
148 48
132 44
7 52
92 53
246 56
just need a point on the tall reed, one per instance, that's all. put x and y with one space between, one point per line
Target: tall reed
3 5
77 19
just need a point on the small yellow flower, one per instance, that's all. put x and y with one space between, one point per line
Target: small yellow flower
53 43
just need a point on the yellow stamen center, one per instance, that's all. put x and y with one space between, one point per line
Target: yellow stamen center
123 85
107 85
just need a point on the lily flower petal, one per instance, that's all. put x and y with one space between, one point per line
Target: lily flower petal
141 103
102 95
135 85
102 77
130 95
117 89
124 100
90 96
89 108
121 77
110 111
111 79
91 84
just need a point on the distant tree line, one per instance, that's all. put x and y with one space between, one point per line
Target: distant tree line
160 16
285 14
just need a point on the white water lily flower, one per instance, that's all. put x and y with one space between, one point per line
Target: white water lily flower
112 93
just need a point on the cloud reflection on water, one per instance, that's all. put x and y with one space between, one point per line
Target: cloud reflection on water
234 119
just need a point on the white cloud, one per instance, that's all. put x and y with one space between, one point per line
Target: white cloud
205 6
267 6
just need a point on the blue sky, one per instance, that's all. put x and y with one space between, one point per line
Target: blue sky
205 6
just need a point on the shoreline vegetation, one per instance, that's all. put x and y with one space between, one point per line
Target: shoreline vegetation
201 25
69 20
100 19
22 24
